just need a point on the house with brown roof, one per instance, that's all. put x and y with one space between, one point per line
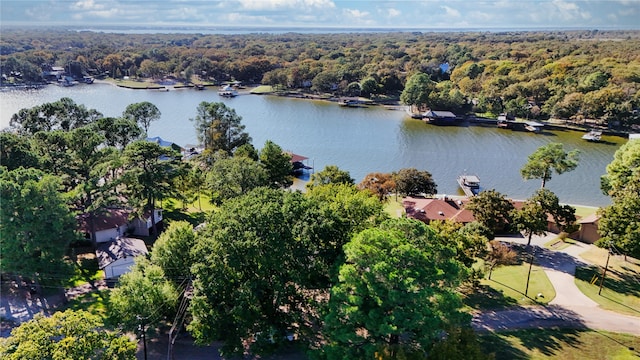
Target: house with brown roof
430 209
116 222
116 257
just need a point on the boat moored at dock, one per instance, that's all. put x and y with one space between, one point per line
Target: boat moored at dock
228 91
470 184
593 135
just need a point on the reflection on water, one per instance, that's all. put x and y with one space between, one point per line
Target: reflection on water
359 140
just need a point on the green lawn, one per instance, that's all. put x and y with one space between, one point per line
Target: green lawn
566 344
262 89
510 281
85 270
394 207
621 288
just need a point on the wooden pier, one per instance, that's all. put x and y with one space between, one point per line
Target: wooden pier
470 184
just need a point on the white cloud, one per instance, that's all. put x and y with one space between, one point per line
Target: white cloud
393 12
451 12
86 5
267 5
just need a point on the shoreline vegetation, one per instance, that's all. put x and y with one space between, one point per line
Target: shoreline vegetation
388 102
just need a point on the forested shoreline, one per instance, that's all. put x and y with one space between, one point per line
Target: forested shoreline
573 75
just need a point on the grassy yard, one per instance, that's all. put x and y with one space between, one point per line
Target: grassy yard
394 207
621 288
511 281
506 288
566 344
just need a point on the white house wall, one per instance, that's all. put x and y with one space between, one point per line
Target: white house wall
110 234
118 267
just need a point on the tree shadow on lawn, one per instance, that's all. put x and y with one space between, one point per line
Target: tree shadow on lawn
547 258
547 341
194 219
485 297
622 283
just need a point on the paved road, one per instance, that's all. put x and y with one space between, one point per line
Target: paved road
569 308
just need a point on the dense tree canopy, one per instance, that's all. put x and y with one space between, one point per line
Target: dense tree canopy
148 171
411 181
219 127
379 184
63 114
143 114
36 225
529 74
143 297
278 165
73 335
396 293
491 209
234 176
620 222
331 174
248 279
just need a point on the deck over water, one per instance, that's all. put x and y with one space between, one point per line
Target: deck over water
470 184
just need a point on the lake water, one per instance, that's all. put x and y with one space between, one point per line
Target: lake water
359 140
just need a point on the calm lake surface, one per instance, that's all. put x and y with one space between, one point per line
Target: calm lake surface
359 140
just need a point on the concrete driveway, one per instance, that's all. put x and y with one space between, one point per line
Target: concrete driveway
569 308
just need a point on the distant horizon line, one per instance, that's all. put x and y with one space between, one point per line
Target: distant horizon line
307 28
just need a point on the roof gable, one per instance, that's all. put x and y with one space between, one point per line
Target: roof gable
437 209
109 220
120 248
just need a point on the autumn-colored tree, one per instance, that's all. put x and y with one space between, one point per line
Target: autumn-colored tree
380 184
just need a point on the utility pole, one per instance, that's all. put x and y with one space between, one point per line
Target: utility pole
526 291
606 266
142 328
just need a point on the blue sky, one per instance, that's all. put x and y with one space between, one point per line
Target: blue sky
426 14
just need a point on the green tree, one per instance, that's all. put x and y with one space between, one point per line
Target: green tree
234 176
411 182
277 164
334 213
417 90
148 172
63 114
470 240
248 278
142 297
15 151
219 127
331 174
118 132
548 159
492 209
396 293
172 251
36 225
620 222
142 113
531 219
369 87
73 335
564 216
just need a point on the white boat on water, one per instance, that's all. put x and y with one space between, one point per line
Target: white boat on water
228 91
593 135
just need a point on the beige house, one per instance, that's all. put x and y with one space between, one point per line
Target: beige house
117 256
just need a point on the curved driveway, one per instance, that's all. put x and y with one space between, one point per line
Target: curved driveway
570 307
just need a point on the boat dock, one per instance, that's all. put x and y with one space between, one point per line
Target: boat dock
470 184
